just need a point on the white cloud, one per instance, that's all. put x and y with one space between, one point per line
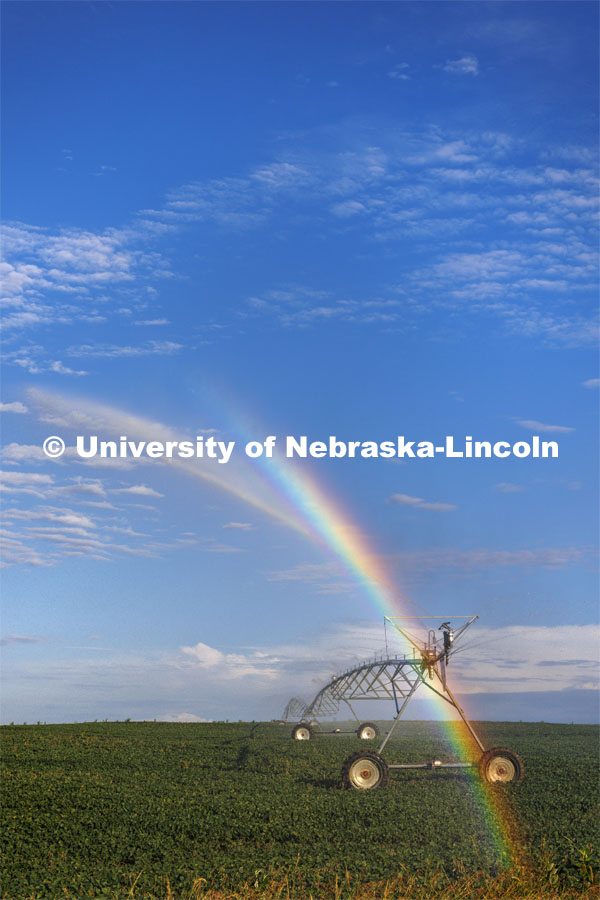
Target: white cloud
140 490
257 682
279 175
104 170
211 545
591 383
534 425
33 358
80 488
408 186
516 659
348 208
465 65
48 535
17 552
489 558
332 577
61 369
232 666
488 265
455 151
204 655
70 258
506 487
25 478
301 307
32 483
54 515
14 407
325 578
556 330
180 717
239 526
58 278
419 503
16 453
11 639
399 73
112 351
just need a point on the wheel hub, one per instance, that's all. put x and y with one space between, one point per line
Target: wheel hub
364 774
500 769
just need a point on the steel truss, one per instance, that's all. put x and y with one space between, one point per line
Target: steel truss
295 709
393 679
397 678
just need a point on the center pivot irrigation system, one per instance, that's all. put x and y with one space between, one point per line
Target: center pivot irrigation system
397 678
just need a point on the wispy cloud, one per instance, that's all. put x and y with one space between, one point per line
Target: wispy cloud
532 225
33 483
59 367
15 407
505 487
34 359
17 453
332 577
211 545
104 170
112 351
41 531
419 503
465 65
489 558
300 306
400 72
201 681
46 535
325 578
139 490
21 639
534 425
60 278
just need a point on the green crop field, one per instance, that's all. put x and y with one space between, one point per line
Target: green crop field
156 810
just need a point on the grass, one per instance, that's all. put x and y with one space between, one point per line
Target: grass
240 812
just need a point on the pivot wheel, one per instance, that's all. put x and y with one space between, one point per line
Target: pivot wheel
302 732
500 765
368 731
365 770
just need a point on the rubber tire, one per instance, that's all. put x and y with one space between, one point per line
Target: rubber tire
372 757
367 725
305 727
488 755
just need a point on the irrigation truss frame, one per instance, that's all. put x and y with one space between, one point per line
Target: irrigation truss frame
397 678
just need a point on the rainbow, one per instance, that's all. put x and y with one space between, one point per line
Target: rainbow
325 520
291 496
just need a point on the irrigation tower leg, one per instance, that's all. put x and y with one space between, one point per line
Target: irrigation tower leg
464 718
347 702
400 711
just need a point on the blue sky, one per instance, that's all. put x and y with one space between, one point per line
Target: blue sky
353 219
